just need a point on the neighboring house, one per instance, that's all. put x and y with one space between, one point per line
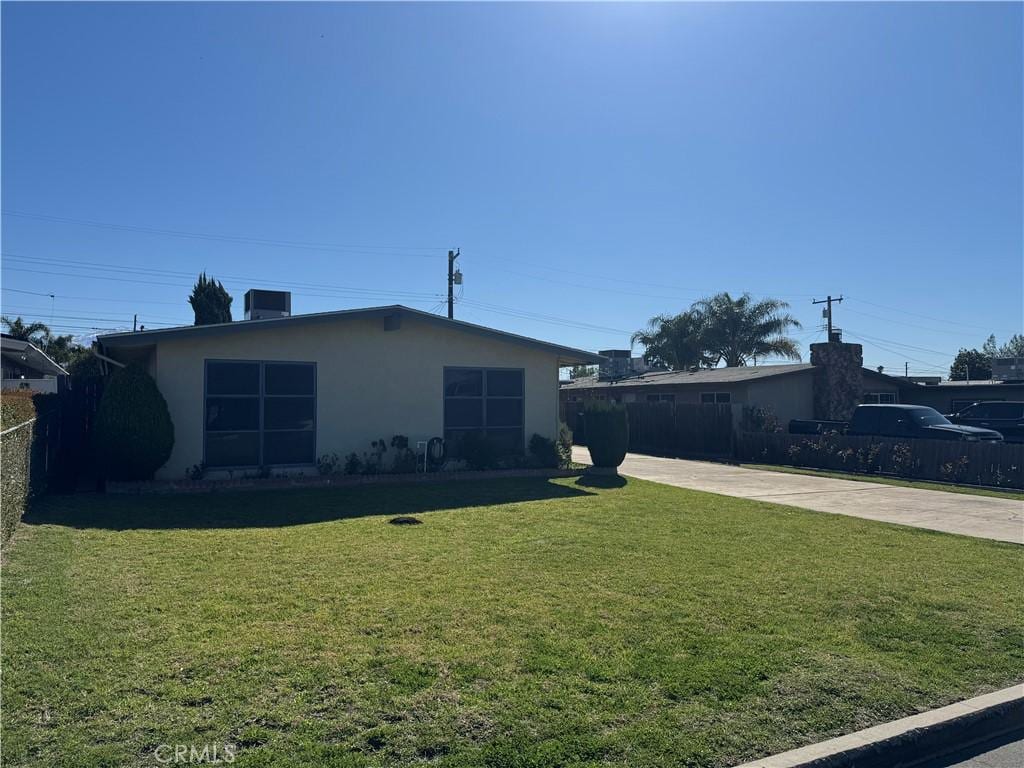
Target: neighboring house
283 391
25 366
827 387
952 396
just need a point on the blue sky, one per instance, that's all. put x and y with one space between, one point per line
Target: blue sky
596 164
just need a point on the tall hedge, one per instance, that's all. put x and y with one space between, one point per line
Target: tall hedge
16 408
133 434
607 433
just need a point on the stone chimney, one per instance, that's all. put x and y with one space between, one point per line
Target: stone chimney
838 379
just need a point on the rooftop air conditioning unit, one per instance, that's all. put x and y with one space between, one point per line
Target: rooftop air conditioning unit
263 305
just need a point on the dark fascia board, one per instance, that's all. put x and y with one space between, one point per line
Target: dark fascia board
633 383
566 355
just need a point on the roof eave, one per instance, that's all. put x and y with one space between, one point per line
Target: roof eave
566 355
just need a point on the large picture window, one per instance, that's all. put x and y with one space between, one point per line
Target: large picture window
484 400
259 413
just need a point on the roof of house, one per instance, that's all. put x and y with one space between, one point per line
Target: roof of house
566 355
29 355
734 375
704 376
976 383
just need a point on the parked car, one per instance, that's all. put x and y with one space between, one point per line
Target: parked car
900 421
1006 417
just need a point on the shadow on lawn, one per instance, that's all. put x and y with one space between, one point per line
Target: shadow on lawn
272 508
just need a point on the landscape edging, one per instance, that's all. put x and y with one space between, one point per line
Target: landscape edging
913 740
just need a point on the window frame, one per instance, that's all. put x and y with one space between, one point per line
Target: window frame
891 398
483 397
717 395
260 398
662 397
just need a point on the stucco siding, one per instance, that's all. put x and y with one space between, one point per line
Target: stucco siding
372 383
789 397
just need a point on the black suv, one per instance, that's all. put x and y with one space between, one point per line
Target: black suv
1005 417
913 421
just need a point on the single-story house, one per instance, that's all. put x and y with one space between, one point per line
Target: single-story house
283 391
25 366
827 387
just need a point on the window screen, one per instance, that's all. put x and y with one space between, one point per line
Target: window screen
259 413
485 400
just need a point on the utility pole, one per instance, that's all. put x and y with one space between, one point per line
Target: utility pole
135 323
906 370
454 277
827 301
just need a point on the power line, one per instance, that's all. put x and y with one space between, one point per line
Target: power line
909 346
945 331
316 246
337 293
145 271
525 315
890 351
43 315
926 317
92 298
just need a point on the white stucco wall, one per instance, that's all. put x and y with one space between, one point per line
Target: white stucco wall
371 383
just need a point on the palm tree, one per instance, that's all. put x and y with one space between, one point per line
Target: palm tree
19 329
674 341
738 330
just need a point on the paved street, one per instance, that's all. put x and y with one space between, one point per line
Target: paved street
981 516
1000 755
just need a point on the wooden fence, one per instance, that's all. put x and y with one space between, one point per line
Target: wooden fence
993 464
667 429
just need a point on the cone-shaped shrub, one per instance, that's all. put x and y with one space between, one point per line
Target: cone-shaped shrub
133 435
607 433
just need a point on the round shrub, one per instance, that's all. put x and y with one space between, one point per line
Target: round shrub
607 433
133 434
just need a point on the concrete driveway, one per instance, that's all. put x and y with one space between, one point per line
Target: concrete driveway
984 517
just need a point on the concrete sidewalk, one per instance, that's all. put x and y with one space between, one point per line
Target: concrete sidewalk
984 517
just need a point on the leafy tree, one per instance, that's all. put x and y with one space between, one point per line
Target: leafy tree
675 342
31 332
582 371
60 349
738 330
970 364
210 302
133 434
82 363
990 348
1013 348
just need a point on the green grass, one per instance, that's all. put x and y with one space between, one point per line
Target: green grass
924 484
523 623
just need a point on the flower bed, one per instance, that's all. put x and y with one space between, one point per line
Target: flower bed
185 485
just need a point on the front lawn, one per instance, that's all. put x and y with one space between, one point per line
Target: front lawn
523 623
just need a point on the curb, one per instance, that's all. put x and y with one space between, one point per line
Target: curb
913 740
